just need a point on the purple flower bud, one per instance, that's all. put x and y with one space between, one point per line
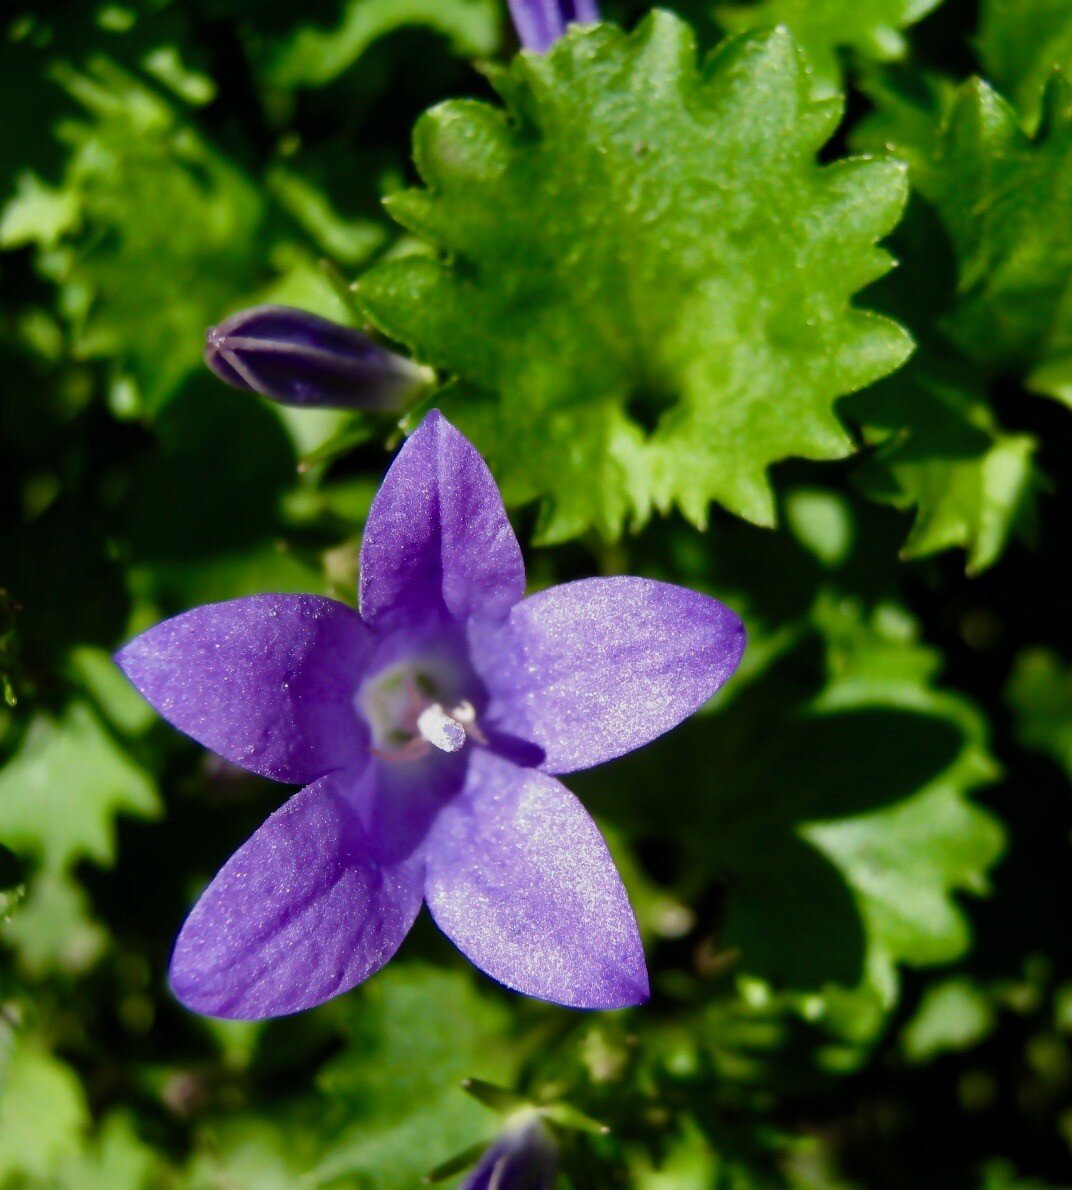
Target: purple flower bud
298 358
540 23
523 1157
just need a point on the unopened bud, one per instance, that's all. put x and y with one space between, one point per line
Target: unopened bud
298 358
523 1157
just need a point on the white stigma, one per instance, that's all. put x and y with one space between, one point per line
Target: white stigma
440 729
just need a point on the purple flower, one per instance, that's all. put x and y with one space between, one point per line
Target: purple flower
523 1157
298 358
540 23
426 730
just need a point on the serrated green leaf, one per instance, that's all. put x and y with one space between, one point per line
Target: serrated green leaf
148 188
943 454
905 862
871 28
940 449
833 801
1020 44
312 56
637 244
1003 198
61 791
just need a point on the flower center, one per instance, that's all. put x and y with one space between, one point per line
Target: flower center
411 713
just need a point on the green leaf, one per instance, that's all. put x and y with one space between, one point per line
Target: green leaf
251 1151
139 186
940 449
349 241
1003 198
312 56
54 929
832 803
955 1014
1040 694
870 28
37 214
943 454
117 1159
905 861
1020 44
43 1115
61 791
414 1034
646 275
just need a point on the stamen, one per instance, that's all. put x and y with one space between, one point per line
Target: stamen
465 714
440 729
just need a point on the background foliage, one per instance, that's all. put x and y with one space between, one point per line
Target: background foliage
650 280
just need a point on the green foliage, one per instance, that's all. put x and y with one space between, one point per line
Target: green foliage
311 56
584 313
1021 43
43 1115
940 451
132 154
953 1015
1040 694
37 810
858 812
1000 195
400 1072
651 286
871 28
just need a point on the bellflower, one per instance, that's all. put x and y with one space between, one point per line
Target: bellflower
427 730
298 358
540 23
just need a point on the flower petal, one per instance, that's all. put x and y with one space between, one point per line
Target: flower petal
304 910
437 539
268 682
592 669
519 878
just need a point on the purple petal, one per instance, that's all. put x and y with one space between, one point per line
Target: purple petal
268 682
590 670
519 878
437 540
304 910
536 22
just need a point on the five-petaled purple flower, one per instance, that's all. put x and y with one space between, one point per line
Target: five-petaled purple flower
426 730
540 23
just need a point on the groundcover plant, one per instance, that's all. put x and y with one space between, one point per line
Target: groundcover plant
605 338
